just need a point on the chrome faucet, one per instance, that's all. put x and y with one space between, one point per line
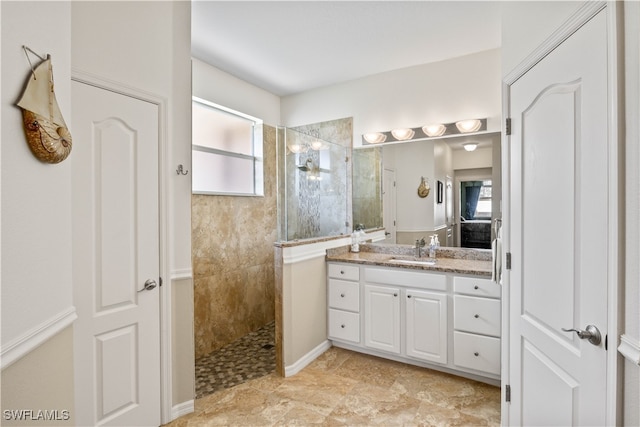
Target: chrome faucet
419 245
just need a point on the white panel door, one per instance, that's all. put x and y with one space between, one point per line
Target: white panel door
382 318
426 325
115 251
559 203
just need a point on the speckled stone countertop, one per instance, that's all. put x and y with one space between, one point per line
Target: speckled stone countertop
475 262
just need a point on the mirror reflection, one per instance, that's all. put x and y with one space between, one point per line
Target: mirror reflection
464 189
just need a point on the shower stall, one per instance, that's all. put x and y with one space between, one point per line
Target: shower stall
312 186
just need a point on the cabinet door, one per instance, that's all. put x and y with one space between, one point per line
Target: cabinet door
426 325
382 318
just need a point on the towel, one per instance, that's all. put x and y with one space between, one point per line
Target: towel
496 256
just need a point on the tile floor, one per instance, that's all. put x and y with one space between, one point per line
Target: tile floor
252 356
344 388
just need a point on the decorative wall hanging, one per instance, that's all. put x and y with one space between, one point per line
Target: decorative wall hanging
47 133
423 188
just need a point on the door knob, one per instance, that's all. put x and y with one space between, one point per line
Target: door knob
591 333
148 285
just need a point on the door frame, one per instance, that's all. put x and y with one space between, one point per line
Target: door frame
615 241
166 397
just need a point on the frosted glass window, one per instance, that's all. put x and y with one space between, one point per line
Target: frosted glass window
226 151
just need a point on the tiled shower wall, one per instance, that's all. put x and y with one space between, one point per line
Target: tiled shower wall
233 265
319 209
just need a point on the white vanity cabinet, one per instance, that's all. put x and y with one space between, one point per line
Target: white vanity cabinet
476 323
426 325
382 317
440 320
344 302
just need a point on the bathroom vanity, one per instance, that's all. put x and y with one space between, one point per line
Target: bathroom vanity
444 316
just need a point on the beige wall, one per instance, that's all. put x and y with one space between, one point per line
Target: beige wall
233 260
42 380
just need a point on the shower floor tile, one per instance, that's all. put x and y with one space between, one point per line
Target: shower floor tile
250 357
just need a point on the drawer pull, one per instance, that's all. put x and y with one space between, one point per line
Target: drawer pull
476 354
341 271
408 296
395 295
476 287
342 326
341 295
476 316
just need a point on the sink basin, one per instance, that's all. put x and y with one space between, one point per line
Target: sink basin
413 261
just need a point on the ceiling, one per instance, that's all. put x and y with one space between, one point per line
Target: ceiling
294 46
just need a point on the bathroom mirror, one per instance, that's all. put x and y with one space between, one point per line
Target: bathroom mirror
373 164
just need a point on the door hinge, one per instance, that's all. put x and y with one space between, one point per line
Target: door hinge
507 126
507 393
508 267
160 280
346 159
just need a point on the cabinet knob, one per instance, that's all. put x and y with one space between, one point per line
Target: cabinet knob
395 295
476 287
341 271
476 316
342 295
476 354
408 296
342 326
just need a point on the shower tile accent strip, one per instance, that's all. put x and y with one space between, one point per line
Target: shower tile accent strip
250 357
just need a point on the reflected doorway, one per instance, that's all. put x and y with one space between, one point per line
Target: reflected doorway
475 211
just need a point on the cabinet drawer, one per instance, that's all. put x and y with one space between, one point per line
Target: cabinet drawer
476 286
346 272
344 295
476 352
404 277
477 315
344 326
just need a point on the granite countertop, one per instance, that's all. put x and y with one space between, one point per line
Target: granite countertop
448 260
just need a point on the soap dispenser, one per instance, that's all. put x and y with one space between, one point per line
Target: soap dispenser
355 241
432 248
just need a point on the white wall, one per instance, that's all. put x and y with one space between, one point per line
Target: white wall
229 91
480 158
36 197
526 24
443 167
441 92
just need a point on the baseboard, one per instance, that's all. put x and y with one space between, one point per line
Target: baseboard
181 409
33 338
630 349
306 359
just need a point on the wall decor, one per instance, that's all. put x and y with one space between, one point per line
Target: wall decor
45 129
423 188
440 191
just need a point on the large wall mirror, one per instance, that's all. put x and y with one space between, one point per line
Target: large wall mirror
464 197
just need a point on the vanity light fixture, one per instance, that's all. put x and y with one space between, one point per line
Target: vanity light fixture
317 145
466 126
403 134
471 146
434 130
297 148
375 137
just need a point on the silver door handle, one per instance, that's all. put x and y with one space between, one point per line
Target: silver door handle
591 333
149 285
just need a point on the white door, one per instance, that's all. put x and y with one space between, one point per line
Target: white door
559 202
115 251
426 325
451 218
389 202
382 318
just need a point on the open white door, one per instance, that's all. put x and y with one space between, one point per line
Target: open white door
389 202
560 203
116 257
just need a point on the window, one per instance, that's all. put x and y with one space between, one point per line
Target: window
483 210
226 151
